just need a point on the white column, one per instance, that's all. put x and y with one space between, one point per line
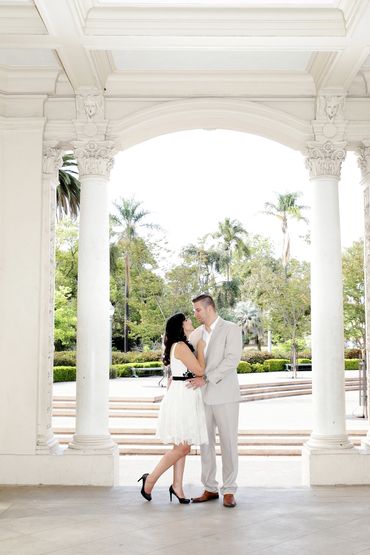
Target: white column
93 349
328 380
52 161
364 163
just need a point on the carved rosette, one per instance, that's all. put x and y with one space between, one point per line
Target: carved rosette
325 159
95 158
52 160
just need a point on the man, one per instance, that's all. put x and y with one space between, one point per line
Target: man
221 395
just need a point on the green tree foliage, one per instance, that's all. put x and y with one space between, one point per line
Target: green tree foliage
286 207
248 316
68 189
290 305
354 294
66 285
129 217
232 240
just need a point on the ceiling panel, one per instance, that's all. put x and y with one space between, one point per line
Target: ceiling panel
28 57
212 60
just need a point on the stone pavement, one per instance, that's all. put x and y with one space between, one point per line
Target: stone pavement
109 521
274 515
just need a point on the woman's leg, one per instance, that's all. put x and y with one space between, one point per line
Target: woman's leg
168 460
178 474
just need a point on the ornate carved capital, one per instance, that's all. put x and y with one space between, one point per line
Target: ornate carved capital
364 161
52 159
95 158
325 159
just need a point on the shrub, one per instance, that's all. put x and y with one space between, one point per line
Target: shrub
258 367
304 361
244 367
276 364
64 374
352 364
305 354
65 358
68 358
352 353
135 356
254 357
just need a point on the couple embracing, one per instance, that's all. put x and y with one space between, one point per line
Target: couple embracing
203 395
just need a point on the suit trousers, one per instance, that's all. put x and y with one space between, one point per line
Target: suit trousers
225 417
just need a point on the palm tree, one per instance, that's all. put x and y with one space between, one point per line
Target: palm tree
68 189
128 219
286 207
248 317
233 236
207 261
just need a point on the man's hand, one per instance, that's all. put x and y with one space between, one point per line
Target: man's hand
194 383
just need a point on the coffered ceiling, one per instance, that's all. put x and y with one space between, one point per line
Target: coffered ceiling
189 48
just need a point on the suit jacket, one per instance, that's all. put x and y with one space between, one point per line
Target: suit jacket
222 358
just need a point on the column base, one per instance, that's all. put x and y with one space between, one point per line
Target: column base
48 443
323 442
81 469
335 467
92 443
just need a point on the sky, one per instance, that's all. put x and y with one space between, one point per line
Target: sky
191 180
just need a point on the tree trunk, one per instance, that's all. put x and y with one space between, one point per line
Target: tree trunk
127 310
294 359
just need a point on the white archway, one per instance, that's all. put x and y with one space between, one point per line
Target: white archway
235 115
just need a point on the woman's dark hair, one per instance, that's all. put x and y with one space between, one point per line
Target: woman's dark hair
174 333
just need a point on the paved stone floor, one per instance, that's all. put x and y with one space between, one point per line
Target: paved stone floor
76 520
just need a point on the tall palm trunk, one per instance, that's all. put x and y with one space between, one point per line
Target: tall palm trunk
127 309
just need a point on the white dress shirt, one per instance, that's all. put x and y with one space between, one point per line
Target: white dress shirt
207 334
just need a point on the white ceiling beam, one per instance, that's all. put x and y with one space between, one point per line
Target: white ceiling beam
63 22
264 44
347 64
261 44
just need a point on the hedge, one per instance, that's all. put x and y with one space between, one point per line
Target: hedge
68 373
64 374
352 364
68 358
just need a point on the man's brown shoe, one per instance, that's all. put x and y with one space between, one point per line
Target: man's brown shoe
229 500
206 496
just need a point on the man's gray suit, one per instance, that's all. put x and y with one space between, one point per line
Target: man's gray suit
221 397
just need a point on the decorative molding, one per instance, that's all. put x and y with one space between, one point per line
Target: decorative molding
89 105
330 107
364 163
52 159
237 21
325 159
28 80
329 124
95 158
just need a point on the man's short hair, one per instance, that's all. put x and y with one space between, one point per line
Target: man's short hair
205 299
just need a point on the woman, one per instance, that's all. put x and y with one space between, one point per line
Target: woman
181 417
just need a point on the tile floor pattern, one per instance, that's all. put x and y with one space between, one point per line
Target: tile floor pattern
110 521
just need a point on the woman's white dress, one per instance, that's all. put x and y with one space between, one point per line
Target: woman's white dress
181 416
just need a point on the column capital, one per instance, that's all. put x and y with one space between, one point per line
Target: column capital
95 157
52 159
363 161
324 159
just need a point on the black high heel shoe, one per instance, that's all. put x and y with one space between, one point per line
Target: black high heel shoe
182 500
146 495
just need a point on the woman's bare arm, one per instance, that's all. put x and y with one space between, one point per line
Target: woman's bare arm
194 364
